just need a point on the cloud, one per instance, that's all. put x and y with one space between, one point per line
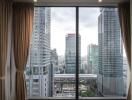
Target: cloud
62 14
63 22
88 16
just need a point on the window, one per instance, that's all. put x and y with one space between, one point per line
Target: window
35 70
91 45
35 80
102 53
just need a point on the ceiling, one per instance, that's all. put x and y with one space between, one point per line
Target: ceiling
74 2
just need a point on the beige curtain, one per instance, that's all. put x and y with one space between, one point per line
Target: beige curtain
5 6
22 29
124 14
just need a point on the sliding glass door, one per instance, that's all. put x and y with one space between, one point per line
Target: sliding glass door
76 52
51 66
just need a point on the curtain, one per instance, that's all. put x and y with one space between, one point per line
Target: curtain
5 6
124 15
22 29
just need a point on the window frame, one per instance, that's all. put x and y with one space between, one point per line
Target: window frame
77 57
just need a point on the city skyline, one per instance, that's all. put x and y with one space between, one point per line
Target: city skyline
62 25
101 51
88 27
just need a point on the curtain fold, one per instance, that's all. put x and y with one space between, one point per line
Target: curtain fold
22 29
124 15
5 6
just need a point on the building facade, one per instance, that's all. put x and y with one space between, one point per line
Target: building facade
53 70
126 75
39 58
93 59
70 53
110 78
54 61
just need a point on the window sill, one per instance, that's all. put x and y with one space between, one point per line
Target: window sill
83 98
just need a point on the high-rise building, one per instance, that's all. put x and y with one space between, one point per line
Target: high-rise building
70 53
93 59
53 70
54 61
125 75
39 62
110 78
61 65
84 65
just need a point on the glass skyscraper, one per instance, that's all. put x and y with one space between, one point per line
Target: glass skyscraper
110 78
39 57
70 53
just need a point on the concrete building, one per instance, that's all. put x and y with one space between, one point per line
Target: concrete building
53 69
110 78
54 61
39 58
61 64
70 53
84 65
93 58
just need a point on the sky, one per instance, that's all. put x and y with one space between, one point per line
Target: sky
63 22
